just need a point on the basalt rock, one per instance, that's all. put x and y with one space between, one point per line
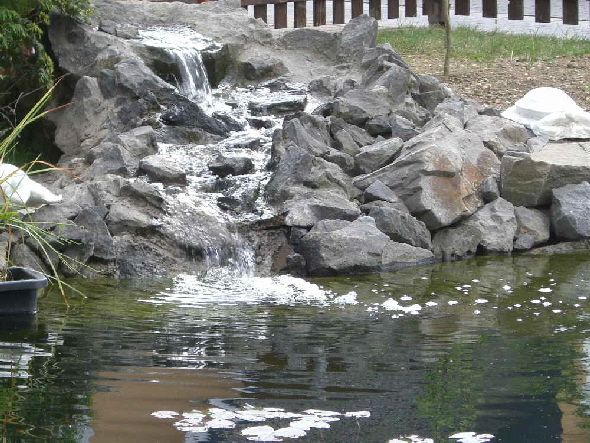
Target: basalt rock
438 174
340 247
570 211
528 179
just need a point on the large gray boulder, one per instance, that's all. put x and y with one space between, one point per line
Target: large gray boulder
456 242
309 132
438 174
401 227
361 105
570 211
377 155
308 209
533 227
397 80
528 179
323 42
497 224
86 119
334 248
358 35
223 165
162 169
497 133
348 138
298 172
110 158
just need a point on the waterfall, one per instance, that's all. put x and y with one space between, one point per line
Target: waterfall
184 47
193 83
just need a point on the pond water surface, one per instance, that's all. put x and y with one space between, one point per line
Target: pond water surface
494 347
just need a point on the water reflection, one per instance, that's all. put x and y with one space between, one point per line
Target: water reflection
498 346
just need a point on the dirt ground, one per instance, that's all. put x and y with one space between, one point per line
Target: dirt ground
501 83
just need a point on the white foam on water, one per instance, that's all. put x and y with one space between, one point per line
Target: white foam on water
222 286
471 437
218 418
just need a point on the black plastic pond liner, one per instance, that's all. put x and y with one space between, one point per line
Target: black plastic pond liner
18 294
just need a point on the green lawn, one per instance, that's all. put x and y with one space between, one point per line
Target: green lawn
470 44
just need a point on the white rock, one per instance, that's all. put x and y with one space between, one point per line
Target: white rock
560 125
551 114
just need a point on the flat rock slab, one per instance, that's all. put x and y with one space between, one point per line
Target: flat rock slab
527 180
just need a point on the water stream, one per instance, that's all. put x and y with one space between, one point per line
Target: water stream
495 346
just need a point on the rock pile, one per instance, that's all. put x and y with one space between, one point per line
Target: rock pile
390 170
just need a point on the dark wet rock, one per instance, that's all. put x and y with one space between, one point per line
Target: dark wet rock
401 227
97 233
183 112
260 123
528 179
223 166
162 169
373 157
570 211
231 124
338 247
533 227
438 174
392 126
181 135
278 104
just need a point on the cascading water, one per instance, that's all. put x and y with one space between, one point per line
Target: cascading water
185 49
230 275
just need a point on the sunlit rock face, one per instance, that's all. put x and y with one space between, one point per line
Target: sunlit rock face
527 180
439 173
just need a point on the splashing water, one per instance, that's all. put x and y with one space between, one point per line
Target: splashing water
185 47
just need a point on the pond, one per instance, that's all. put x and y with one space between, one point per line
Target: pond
496 347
